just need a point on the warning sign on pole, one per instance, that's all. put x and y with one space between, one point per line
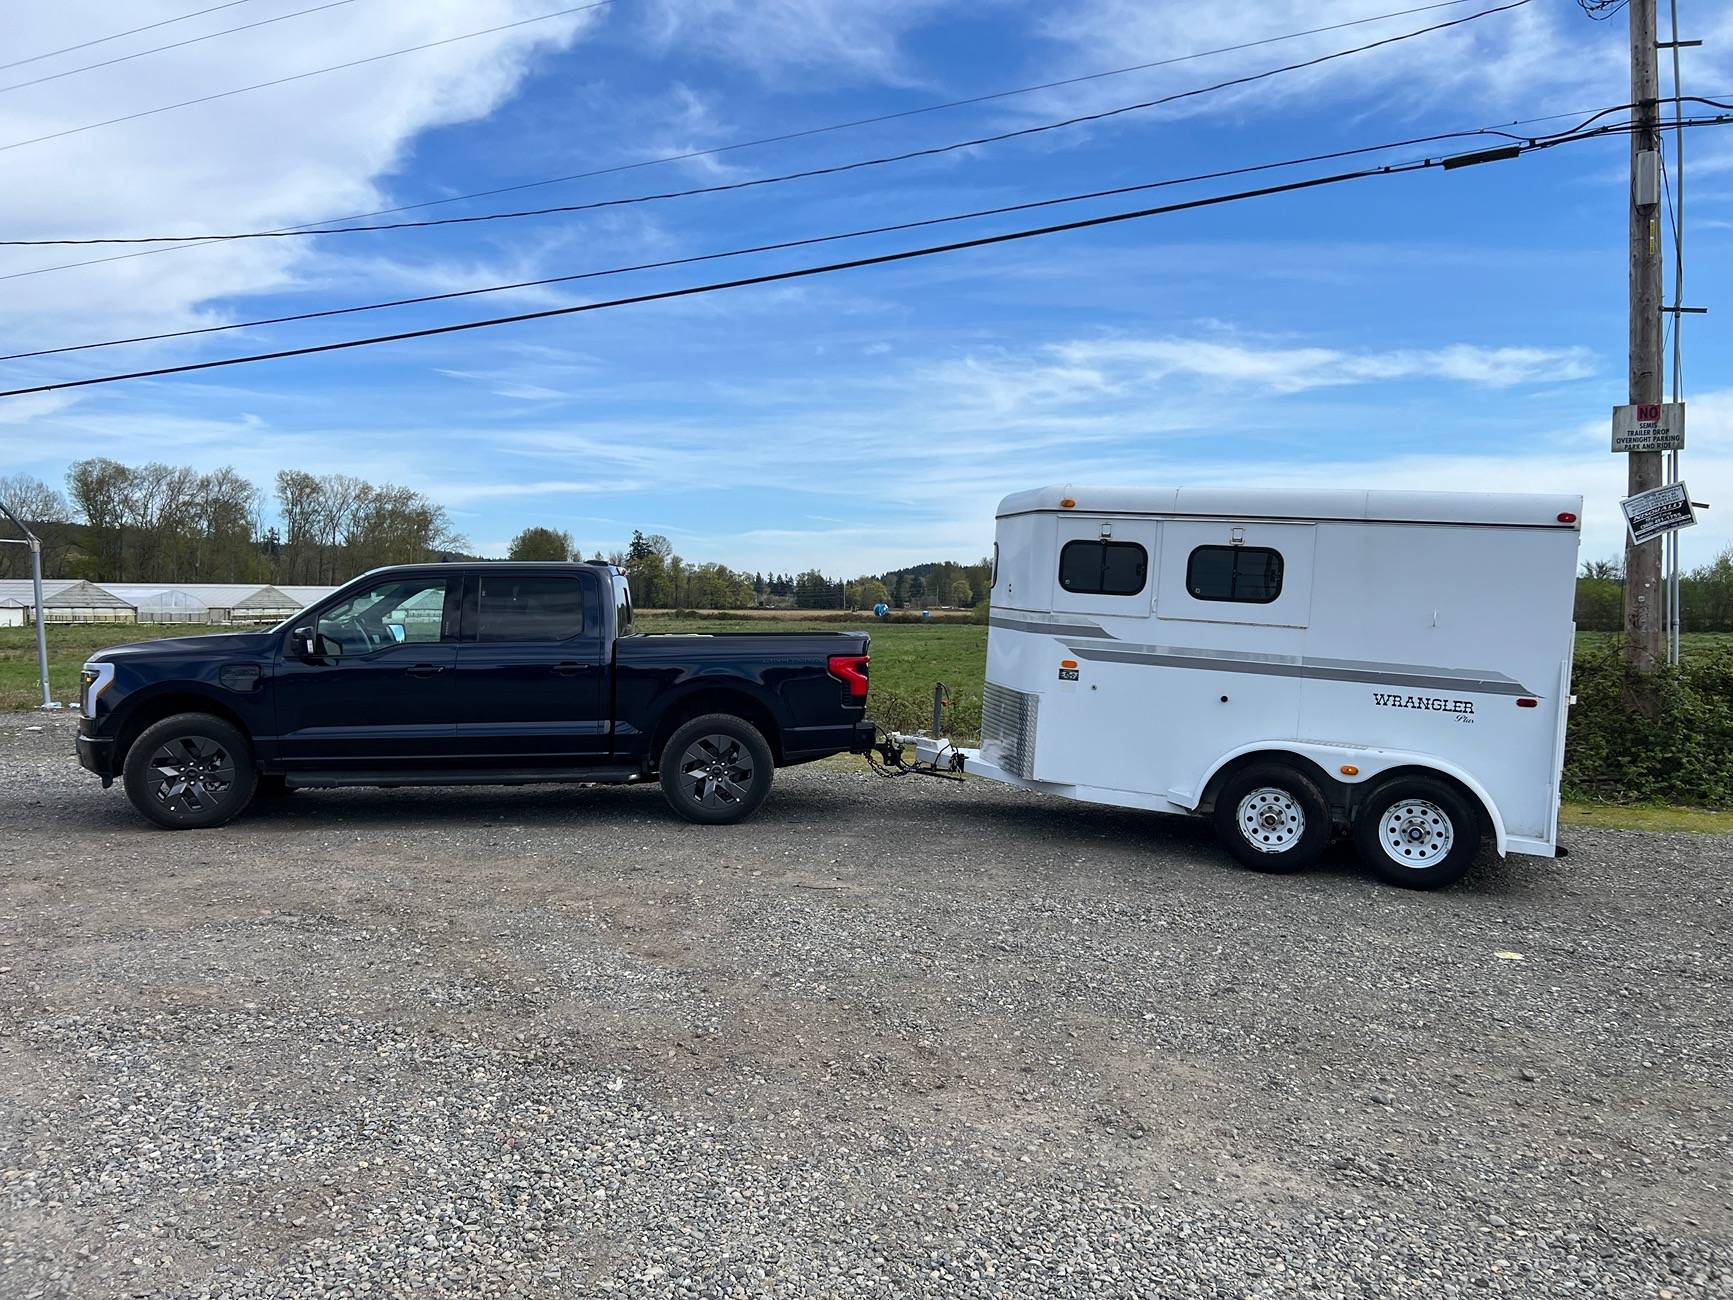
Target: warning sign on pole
1659 510
1657 426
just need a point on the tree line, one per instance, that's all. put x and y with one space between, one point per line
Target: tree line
1705 596
663 579
171 523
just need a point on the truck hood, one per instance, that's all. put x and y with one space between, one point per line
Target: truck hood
223 645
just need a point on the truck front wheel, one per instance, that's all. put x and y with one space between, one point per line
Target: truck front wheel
716 769
190 771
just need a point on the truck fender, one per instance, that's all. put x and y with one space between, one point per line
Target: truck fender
1371 762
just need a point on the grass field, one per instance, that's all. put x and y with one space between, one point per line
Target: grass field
69 645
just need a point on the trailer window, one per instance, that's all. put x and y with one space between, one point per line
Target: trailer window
1103 568
1248 575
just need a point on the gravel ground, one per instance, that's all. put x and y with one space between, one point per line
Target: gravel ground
888 1038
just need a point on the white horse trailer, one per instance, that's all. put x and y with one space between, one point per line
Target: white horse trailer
1395 663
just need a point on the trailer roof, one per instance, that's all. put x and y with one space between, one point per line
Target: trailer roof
1533 509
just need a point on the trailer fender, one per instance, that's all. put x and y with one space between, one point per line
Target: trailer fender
1369 764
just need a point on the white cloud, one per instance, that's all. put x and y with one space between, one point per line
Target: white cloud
305 151
783 38
1294 370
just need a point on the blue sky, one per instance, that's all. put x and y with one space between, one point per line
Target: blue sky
1445 331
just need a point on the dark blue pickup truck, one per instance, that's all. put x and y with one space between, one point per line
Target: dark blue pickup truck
466 674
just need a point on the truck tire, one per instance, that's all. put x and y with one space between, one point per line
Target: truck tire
1417 832
1272 818
716 769
189 771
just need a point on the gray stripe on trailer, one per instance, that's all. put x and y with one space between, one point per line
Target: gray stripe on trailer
1034 623
1473 681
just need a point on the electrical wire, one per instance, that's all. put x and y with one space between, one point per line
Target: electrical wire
798 273
795 243
765 140
301 76
131 31
158 49
832 170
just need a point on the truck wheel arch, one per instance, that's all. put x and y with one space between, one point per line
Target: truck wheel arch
1347 796
154 708
695 703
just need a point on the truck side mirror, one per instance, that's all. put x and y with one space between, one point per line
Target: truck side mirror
303 639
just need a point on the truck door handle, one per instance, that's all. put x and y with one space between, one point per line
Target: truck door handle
567 668
425 670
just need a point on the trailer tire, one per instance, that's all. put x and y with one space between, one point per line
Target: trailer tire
1417 832
1272 818
716 769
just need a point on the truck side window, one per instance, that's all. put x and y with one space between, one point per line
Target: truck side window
1103 568
529 607
1248 575
401 611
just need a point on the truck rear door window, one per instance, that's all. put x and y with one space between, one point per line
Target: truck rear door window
1103 568
1247 575
513 607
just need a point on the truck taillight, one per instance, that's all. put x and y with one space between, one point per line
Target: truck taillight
851 671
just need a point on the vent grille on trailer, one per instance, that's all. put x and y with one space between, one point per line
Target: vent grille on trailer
1008 729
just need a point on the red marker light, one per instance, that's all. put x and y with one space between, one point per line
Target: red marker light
1526 703
851 671
1566 517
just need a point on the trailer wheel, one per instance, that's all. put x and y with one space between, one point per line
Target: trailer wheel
716 769
1417 832
1272 818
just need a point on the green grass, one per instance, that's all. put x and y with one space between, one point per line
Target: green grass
1647 817
69 645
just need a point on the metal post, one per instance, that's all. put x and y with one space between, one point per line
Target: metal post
1643 641
35 545
41 631
1675 615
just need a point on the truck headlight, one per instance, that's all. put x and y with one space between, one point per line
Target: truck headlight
93 679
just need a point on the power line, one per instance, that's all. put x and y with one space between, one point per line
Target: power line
131 31
771 139
158 49
763 248
834 169
798 273
301 76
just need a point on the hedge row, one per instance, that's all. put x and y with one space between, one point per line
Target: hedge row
1665 739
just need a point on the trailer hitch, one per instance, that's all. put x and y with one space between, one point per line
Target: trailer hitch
888 759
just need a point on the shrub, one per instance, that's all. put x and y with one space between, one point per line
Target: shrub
1663 739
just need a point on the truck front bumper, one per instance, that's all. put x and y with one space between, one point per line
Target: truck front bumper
97 754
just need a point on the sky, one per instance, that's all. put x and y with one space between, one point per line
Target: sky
1459 330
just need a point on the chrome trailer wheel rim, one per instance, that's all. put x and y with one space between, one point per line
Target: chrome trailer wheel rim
717 770
1416 833
1271 819
193 774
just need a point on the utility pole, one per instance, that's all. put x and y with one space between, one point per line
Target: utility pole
1643 621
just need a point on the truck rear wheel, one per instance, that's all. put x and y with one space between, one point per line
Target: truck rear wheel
716 769
189 771
1272 818
1417 832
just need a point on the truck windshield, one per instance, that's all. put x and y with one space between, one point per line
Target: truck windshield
622 606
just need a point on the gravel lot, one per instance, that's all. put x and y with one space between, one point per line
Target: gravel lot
886 1039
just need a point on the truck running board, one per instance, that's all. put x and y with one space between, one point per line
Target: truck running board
316 780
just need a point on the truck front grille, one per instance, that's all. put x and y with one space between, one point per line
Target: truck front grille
1008 729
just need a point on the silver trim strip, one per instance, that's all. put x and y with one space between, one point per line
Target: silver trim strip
1048 626
1473 680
